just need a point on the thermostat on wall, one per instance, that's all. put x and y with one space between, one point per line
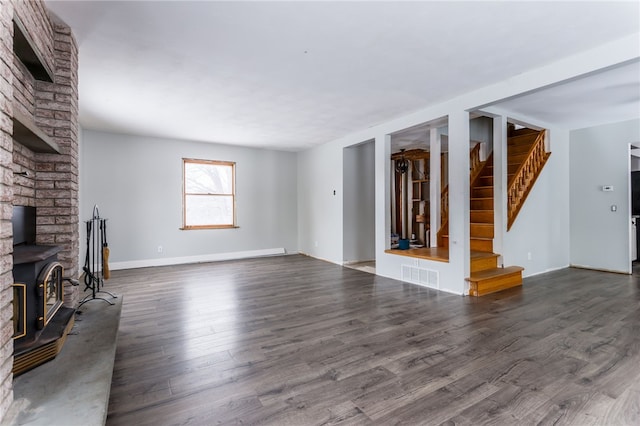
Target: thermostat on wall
607 188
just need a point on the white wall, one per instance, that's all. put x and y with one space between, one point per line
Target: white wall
359 203
137 184
600 156
320 202
539 238
481 130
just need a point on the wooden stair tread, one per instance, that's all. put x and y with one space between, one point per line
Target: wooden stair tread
482 238
492 280
476 254
519 147
482 260
523 136
523 131
489 213
481 230
493 273
481 216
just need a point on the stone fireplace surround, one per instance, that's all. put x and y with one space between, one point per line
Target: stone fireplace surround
30 176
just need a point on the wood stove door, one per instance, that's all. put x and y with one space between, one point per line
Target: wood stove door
19 310
51 291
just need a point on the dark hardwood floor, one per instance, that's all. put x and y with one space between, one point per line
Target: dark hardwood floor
297 341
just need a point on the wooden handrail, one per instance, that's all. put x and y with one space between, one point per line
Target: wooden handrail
534 146
522 181
444 205
475 167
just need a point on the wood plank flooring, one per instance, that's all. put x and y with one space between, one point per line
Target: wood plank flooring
297 341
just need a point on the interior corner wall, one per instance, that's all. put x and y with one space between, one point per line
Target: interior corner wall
137 184
359 203
320 214
600 237
539 238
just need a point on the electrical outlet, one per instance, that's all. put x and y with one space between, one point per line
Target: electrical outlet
529 256
315 244
159 249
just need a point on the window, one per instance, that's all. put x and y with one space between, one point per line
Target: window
208 194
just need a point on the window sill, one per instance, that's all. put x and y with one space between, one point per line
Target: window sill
199 228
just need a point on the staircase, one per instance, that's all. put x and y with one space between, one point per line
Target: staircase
481 208
526 156
481 205
486 277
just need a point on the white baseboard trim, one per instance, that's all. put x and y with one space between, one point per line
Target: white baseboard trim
215 257
446 290
319 258
614 271
546 271
353 262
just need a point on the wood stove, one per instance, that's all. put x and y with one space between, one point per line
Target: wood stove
41 322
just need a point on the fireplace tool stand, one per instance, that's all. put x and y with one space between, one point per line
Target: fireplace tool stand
94 265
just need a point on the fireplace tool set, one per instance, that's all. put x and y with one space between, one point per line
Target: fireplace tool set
96 265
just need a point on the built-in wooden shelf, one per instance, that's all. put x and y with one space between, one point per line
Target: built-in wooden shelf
24 48
27 133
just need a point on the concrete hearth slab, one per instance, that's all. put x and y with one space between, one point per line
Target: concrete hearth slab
72 389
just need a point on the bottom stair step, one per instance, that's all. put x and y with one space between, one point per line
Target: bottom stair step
481 261
493 280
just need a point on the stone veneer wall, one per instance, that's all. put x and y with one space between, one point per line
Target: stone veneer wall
24 187
56 113
52 184
6 203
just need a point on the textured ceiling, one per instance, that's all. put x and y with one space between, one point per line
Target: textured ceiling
612 95
606 97
290 75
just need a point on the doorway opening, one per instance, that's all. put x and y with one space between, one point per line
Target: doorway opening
359 210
